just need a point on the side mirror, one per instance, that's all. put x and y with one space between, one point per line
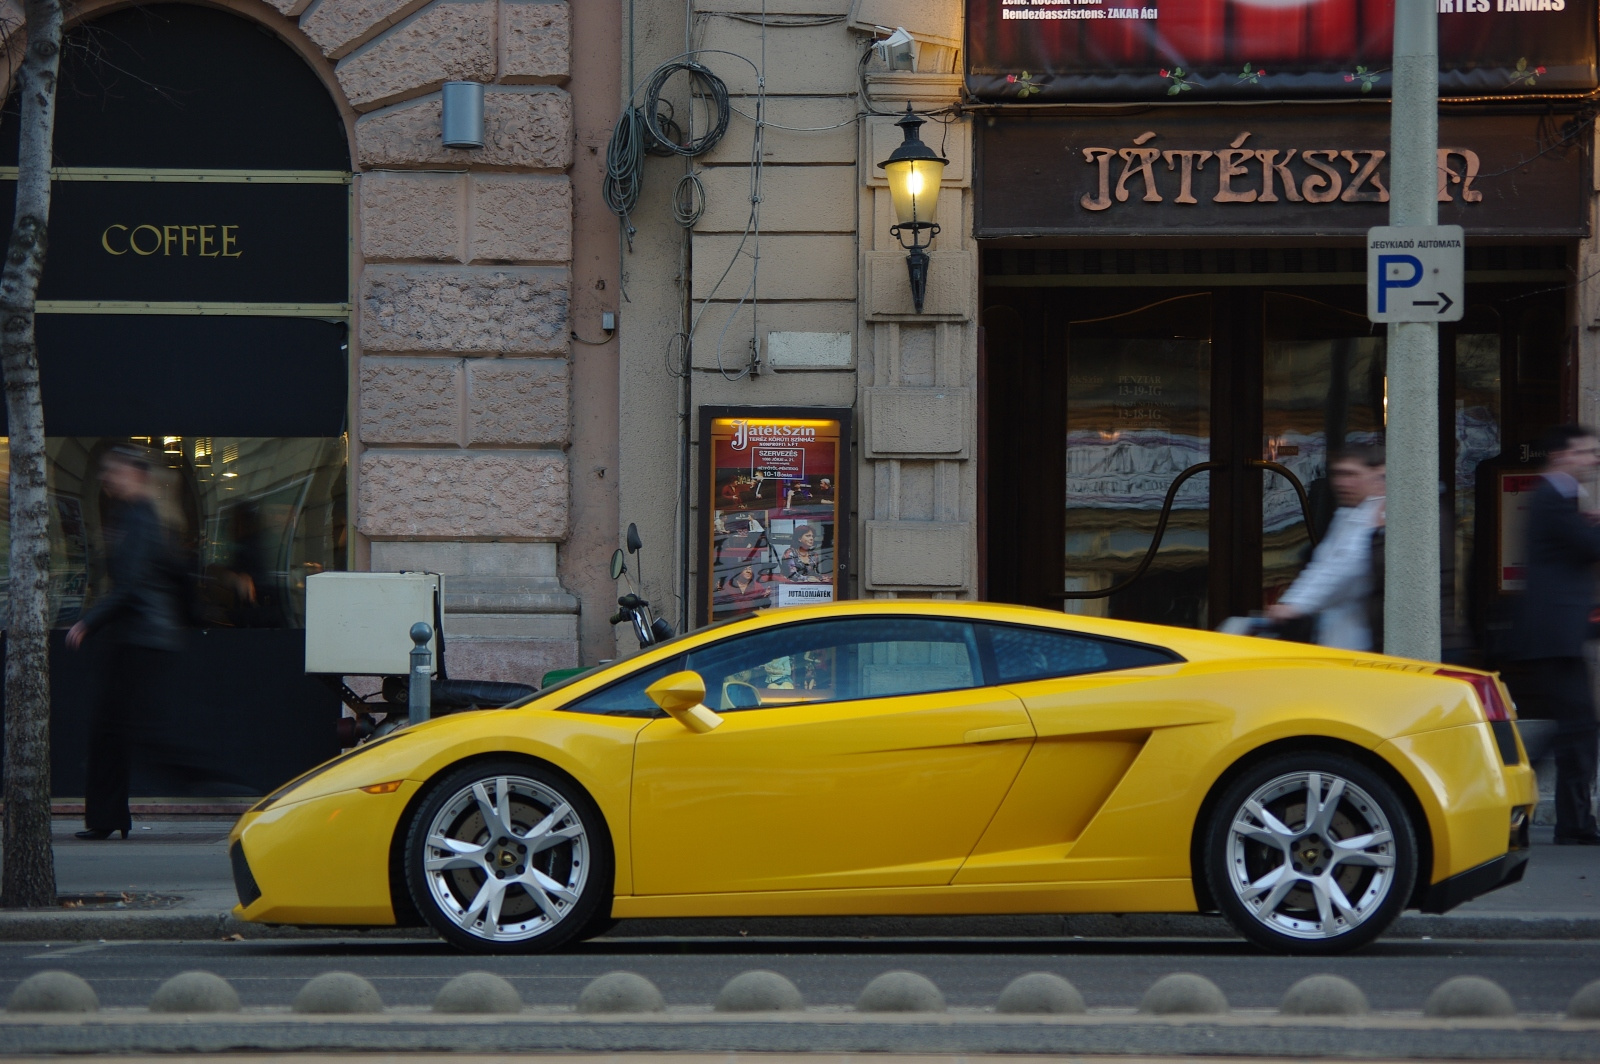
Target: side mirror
683 696
634 542
618 564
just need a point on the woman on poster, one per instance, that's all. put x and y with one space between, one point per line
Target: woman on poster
802 563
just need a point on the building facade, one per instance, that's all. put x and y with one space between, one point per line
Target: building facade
351 347
1145 326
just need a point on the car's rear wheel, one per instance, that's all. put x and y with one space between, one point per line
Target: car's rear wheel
508 857
1310 853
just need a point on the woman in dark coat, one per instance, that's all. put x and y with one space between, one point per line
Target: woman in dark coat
139 625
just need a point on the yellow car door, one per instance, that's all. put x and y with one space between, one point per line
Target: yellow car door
853 752
1094 702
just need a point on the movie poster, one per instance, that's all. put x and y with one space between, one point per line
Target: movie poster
775 512
1188 50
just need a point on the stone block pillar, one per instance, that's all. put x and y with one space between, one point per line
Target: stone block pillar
461 339
918 377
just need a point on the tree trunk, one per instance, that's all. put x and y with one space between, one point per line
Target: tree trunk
29 876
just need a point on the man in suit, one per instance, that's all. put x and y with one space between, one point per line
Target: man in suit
1547 673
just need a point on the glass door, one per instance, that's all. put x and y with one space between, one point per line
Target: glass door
1323 388
1138 415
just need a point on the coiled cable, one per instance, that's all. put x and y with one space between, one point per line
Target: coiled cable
701 82
651 128
624 169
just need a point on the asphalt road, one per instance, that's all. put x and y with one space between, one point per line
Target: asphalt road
1398 974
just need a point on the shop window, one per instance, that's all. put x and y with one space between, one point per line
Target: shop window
1323 388
250 517
1138 414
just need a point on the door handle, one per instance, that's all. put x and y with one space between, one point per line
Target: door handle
1000 733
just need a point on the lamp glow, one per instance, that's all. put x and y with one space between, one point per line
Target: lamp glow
914 172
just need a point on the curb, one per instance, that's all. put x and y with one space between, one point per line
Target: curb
1381 1037
134 924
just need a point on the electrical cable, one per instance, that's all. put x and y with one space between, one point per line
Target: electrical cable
710 86
651 128
624 170
688 200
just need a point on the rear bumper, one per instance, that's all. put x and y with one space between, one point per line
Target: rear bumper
1474 882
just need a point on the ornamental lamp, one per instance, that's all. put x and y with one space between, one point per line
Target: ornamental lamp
914 171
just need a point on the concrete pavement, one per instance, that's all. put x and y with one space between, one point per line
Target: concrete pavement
946 1034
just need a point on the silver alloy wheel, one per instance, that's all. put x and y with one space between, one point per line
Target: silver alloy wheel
506 858
1311 855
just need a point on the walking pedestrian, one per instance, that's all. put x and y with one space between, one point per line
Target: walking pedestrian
1547 674
1335 587
139 622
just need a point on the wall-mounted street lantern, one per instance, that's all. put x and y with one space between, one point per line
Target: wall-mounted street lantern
462 120
914 173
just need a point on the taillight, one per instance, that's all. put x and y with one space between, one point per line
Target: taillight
1494 707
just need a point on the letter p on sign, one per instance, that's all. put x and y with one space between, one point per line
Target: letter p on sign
1396 271
1415 273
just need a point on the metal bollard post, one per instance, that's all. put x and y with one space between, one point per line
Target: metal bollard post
420 687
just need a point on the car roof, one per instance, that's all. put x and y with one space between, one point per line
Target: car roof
1193 644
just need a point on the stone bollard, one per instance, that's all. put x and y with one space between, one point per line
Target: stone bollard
482 993
1468 996
900 992
1184 994
337 992
621 992
195 992
1585 1004
760 991
1040 992
1324 995
53 992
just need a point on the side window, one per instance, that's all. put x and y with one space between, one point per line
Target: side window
837 660
626 697
1041 653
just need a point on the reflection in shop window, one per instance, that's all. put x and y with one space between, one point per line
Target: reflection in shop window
1322 390
1138 415
252 516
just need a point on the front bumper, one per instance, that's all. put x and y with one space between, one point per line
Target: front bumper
1463 887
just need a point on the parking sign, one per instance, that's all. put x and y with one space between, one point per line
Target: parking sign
1415 273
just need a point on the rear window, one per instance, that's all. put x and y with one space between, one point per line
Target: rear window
1021 654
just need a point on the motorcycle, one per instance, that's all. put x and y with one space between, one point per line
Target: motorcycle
648 629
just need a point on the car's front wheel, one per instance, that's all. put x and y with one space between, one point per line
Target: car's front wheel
508 857
1310 853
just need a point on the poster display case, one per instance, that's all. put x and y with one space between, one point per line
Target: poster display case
774 508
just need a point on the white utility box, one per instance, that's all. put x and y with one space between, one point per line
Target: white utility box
359 624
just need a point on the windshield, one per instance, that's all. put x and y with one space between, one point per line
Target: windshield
587 673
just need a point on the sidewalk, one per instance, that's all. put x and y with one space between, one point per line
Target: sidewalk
178 884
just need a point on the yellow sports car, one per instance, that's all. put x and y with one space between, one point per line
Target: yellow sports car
918 757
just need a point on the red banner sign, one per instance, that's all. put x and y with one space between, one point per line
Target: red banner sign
1044 50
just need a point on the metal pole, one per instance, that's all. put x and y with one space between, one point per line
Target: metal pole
419 690
1411 559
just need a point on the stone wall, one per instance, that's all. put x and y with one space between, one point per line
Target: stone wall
461 341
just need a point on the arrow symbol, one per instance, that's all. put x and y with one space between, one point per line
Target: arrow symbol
1448 302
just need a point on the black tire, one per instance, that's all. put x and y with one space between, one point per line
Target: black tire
549 893
1304 915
